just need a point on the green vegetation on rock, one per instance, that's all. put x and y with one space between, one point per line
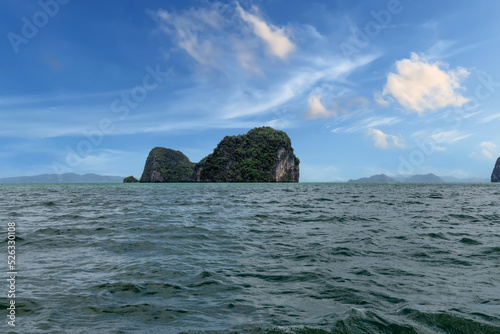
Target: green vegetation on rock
130 179
262 155
166 165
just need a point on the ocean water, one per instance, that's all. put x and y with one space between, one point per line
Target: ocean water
253 258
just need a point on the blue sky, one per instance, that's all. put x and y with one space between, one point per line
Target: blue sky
361 87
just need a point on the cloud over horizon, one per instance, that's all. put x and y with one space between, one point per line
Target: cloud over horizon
487 150
385 141
229 66
421 86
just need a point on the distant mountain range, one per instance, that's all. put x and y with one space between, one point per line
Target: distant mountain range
380 178
94 178
63 178
453 179
427 178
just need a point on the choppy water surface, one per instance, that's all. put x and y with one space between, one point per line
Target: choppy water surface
254 258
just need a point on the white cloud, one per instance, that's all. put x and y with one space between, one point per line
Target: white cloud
219 35
487 150
439 139
341 104
276 39
246 57
317 109
448 137
295 85
279 124
194 31
440 49
368 123
446 48
422 86
213 37
489 118
385 141
377 96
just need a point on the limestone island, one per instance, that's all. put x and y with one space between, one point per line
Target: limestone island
495 175
130 179
262 155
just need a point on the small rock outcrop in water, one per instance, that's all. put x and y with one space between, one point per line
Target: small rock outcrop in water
262 155
130 179
495 176
166 165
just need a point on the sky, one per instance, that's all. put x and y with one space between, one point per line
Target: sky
361 87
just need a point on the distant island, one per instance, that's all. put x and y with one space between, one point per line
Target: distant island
63 178
495 175
130 179
380 178
419 178
427 178
262 155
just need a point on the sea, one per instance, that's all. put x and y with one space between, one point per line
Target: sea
251 258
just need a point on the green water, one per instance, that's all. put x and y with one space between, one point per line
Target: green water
254 258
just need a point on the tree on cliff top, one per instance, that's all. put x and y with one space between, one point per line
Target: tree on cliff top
250 158
166 165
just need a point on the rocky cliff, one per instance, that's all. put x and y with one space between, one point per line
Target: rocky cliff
166 165
495 176
130 179
262 155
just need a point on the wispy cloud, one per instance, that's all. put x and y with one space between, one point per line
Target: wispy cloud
195 31
368 123
340 105
489 118
316 109
276 38
444 48
448 137
385 141
377 96
244 46
486 150
223 32
422 86
439 138
307 74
